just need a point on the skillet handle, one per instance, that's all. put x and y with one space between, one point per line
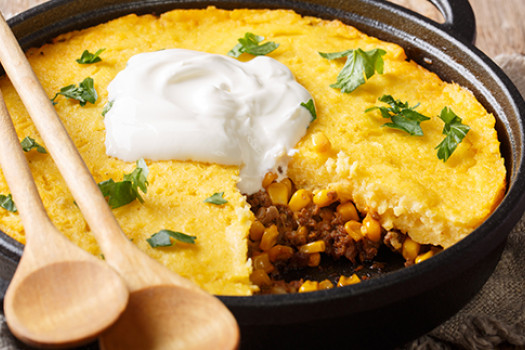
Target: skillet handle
459 17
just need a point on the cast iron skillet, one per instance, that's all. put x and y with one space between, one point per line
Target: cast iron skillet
397 306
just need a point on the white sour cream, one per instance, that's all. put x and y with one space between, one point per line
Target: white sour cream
188 105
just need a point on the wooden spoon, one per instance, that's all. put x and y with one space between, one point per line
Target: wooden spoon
60 294
165 310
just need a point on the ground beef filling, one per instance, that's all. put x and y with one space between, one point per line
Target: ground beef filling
295 229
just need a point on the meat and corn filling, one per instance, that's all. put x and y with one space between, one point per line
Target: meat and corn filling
295 229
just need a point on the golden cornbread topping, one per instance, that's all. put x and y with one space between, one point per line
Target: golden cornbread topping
391 176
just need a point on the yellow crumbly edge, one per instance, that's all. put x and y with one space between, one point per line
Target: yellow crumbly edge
383 170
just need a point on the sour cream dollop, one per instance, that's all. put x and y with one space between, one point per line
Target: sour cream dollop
188 105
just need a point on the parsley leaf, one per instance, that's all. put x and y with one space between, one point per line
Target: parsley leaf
359 67
311 108
251 44
84 92
163 238
118 193
455 132
403 117
7 203
28 144
88 57
216 198
107 107
139 178
127 190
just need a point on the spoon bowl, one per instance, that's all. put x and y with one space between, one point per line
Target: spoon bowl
146 322
66 314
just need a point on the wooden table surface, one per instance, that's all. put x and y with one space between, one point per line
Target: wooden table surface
500 24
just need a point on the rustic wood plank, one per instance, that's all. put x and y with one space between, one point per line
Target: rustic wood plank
500 24
10 8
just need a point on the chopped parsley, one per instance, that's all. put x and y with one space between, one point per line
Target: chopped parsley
251 44
127 190
107 107
407 119
403 117
455 132
28 144
359 67
216 198
163 238
84 92
88 57
311 108
7 203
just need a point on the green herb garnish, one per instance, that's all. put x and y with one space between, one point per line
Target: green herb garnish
28 144
403 117
311 108
84 92
455 132
107 107
359 67
163 238
139 178
88 57
7 203
217 199
127 190
251 44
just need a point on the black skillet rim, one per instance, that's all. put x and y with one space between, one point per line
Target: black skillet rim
489 236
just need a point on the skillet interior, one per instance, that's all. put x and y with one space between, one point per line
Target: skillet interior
397 306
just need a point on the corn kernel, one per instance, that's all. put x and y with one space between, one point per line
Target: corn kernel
280 252
410 249
314 259
347 211
308 286
346 281
278 193
269 238
313 247
262 262
321 142
424 256
353 228
303 231
286 181
300 199
256 230
260 278
324 198
326 284
268 179
371 228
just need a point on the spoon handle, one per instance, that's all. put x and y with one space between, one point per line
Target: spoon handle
18 176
